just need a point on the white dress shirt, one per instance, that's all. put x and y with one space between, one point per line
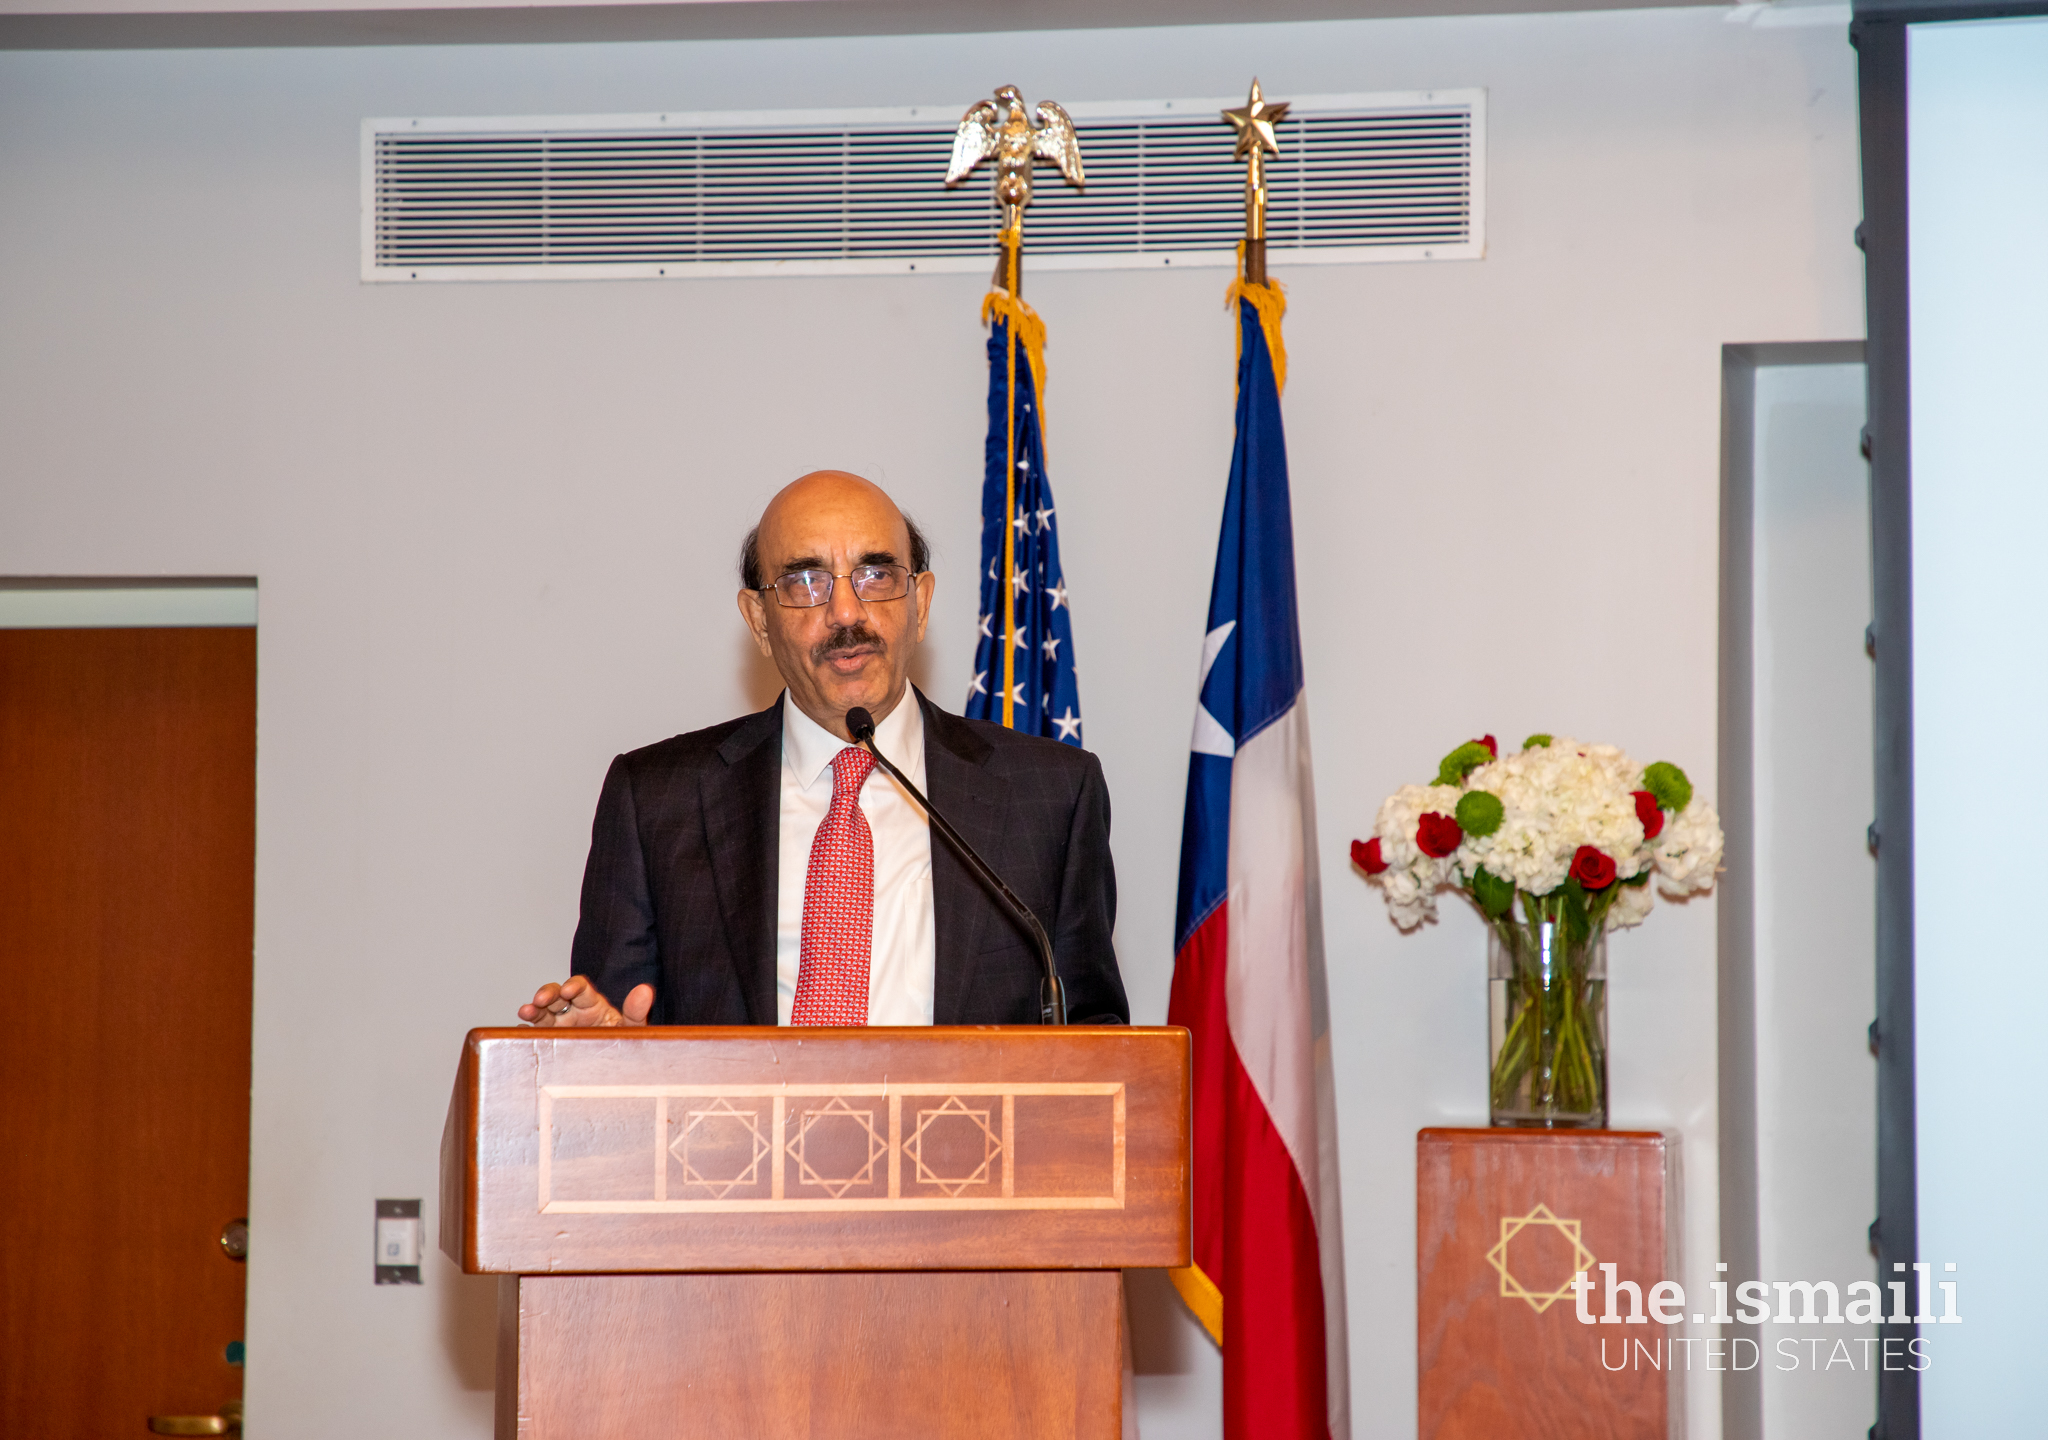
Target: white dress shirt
904 950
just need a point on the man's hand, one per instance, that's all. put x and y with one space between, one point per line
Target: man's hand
576 1002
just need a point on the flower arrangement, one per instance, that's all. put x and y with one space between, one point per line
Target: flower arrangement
1573 828
1578 831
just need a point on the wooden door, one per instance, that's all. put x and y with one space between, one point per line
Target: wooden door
127 903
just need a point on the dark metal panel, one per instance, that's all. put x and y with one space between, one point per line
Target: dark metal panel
1910 11
1881 64
1735 894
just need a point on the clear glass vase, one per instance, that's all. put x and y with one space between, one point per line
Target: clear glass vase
1547 1025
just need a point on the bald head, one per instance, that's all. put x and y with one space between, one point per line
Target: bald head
846 651
758 568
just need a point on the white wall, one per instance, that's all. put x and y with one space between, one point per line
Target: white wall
492 526
1978 181
1816 884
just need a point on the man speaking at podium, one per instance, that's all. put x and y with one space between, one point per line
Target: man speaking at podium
766 872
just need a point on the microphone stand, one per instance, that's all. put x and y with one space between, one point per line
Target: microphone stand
1052 995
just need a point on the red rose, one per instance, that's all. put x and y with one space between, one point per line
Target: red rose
1365 854
1438 836
1592 869
1492 747
1648 812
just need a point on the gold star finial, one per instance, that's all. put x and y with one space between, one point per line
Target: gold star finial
1254 121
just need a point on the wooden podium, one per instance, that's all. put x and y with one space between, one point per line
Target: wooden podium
849 1233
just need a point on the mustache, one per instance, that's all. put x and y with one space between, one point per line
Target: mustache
849 637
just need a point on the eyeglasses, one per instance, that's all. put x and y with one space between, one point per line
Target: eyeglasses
806 589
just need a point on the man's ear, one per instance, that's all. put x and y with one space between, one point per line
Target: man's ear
926 583
754 610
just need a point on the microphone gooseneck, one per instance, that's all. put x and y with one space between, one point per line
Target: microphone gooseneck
1052 995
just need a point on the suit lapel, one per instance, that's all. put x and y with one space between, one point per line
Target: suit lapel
742 828
963 790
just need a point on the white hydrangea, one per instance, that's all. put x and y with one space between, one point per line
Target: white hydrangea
1631 907
1554 799
1689 851
1412 878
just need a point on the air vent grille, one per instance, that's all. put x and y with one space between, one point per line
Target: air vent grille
1359 178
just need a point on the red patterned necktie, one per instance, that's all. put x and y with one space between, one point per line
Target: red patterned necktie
839 906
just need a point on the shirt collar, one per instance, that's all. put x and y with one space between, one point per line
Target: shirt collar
808 748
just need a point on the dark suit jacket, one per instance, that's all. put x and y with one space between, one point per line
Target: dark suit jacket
680 888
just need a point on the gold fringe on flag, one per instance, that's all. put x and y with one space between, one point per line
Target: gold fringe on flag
1204 1301
1270 300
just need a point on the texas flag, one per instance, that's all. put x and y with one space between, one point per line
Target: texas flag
1268 1277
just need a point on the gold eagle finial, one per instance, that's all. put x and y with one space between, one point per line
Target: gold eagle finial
1000 130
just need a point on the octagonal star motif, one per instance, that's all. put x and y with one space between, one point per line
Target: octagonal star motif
953 1113
722 1131
838 1114
1497 1257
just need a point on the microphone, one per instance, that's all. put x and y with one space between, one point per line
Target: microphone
1052 995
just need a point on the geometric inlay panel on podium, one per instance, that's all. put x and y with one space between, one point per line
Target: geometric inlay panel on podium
649 1149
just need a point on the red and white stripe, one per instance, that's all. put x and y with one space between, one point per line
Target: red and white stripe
1249 982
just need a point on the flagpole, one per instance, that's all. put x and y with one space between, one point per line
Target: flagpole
1255 217
1000 131
1013 250
1254 121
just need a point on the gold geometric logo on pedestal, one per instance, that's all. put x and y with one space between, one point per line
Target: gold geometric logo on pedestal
991 1147
838 1111
720 1115
1497 1257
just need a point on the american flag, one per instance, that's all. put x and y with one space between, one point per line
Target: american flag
1024 656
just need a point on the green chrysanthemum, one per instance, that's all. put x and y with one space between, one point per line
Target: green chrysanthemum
1462 762
1479 812
1668 783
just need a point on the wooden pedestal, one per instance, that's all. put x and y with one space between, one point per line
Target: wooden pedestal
1503 1220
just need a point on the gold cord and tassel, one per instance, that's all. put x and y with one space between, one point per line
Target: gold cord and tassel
1270 300
1025 326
